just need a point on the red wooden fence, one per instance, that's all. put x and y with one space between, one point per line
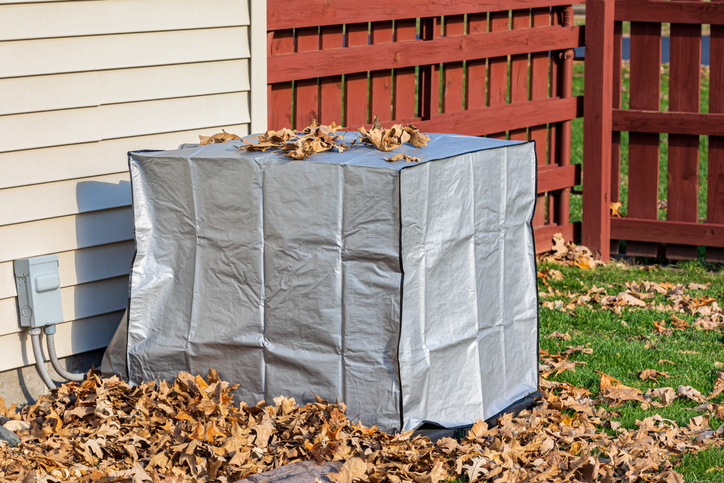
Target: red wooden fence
682 231
505 68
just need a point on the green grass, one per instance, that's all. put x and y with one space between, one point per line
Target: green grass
577 142
619 340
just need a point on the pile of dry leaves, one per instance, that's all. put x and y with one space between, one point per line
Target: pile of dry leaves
568 253
189 430
317 138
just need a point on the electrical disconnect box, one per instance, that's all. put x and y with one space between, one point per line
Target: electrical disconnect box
38 286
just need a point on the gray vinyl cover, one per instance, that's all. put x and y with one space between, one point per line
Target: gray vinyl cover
406 290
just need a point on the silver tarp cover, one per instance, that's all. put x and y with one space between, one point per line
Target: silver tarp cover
406 290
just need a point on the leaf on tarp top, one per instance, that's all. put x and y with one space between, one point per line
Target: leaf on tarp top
222 137
406 157
317 138
392 138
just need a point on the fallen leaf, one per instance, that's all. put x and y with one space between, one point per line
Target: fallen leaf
558 335
406 157
615 209
352 469
718 386
222 137
652 374
691 393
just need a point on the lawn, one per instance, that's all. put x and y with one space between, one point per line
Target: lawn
627 342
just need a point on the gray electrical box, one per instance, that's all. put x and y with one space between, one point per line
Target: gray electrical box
38 286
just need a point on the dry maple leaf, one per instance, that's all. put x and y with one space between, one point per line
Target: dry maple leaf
406 157
691 393
222 137
652 374
615 209
718 385
558 335
352 469
392 138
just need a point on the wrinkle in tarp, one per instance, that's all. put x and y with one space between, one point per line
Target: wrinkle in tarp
406 290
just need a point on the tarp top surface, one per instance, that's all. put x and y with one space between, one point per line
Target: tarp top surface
440 146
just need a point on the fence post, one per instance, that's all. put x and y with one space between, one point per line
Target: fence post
597 126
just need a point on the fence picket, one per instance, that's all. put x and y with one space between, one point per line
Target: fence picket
330 88
355 85
306 98
280 95
597 126
684 96
452 99
616 135
476 69
519 71
643 171
540 68
381 80
498 68
715 180
429 74
403 99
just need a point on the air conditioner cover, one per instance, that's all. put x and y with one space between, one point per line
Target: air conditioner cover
406 290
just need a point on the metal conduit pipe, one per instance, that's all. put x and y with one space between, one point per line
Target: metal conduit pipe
39 360
50 341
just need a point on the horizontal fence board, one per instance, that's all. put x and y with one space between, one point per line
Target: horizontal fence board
70 338
54 56
80 266
121 120
79 302
50 200
544 235
553 177
34 166
86 89
669 11
505 117
70 19
66 233
691 123
286 14
678 232
322 63
486 120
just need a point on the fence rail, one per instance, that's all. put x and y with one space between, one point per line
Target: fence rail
497 68
682 231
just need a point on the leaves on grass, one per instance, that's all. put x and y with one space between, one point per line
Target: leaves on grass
222 137
567 253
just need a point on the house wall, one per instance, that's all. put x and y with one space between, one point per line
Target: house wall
81 84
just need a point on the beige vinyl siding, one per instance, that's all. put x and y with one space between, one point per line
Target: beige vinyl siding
81 84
